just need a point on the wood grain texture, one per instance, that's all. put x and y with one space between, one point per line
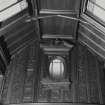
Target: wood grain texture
59 4
93 39
23 78
58 26
17 30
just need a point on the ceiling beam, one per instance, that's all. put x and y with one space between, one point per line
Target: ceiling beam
35 8
54 104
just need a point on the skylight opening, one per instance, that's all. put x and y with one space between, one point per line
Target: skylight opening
97 8
8 8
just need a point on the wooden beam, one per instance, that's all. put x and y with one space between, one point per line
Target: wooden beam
16 21
54 104
48 11
54 36
36 13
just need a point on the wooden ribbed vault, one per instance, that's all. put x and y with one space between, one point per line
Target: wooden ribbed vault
24 44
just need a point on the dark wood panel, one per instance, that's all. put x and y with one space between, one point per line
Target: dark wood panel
24 66
55 104
19 34
93 34
84 77
92 46
21 47
58 26
16 30
84 87
93 37
18 43
13 24
102 79
18 27
51 36
60 4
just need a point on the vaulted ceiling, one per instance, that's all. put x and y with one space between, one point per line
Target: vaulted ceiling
50 19
54 26
58 26
18 30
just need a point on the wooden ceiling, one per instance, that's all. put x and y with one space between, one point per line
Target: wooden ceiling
54 26
18 32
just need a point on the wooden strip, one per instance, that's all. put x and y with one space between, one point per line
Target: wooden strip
96 44
48 36
49 11
99 83
4 29
22 37
94 32
54 104
91 48
94 23
18 30
23 42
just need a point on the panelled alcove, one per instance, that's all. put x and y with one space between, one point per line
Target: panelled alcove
52 52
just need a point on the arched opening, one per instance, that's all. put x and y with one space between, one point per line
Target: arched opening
57 68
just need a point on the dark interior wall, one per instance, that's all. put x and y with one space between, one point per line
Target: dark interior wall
95 42
85 77
102 79
17 32
23 78
58 26
92 35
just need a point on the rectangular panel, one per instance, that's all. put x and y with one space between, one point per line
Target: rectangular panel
58 26
59 4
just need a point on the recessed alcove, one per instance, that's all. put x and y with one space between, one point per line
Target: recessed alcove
57 68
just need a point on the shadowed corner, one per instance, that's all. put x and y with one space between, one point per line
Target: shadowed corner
1 103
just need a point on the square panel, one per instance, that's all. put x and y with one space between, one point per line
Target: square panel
58 27
59 4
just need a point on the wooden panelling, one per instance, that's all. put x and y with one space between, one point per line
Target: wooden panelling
22 41
59 4
58 26
93 39
102 79
20 84
54 93
93 34
18 32
85 86
14 23
91 45
55 104
23 78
